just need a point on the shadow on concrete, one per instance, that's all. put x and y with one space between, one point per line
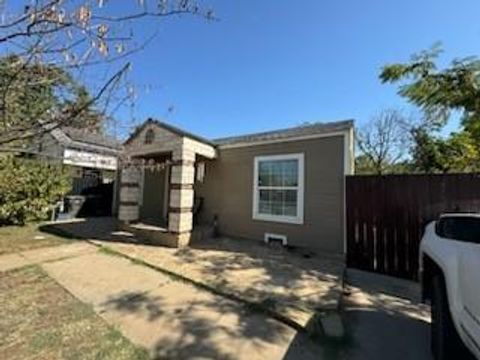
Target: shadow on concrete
274 275
381 317
275 268
215 328
98 228
134 302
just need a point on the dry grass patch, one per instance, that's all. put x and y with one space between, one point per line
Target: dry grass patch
28 237
40 319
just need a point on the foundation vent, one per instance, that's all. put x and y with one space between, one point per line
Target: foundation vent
270 238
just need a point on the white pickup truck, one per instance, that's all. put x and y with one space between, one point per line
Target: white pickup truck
450 277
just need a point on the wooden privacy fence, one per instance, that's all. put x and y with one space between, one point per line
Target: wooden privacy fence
386 216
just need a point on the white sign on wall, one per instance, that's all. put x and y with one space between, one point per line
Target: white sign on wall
89 159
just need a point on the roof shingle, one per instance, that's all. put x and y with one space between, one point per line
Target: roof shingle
303 130
89 137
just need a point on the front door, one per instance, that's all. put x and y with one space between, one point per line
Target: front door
154 197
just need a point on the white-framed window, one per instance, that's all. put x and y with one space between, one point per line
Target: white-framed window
278 188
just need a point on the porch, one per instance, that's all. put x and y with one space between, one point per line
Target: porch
157 199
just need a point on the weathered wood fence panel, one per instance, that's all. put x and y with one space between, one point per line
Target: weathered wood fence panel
386 216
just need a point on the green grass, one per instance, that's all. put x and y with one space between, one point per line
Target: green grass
20 238
40 319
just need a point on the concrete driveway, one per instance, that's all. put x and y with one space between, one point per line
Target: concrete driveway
294 284
384 319
382 316
174 320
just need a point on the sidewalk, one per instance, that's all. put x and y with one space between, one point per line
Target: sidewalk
37 256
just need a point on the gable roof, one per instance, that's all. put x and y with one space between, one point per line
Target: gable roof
307 130
89 137
84 139
293 132
168 127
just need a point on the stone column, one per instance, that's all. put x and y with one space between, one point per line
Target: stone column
180 217
129 194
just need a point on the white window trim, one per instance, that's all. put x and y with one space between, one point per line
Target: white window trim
300 193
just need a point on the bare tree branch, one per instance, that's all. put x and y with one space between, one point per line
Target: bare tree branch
385 139
72 36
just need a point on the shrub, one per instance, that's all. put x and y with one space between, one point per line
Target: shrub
29 189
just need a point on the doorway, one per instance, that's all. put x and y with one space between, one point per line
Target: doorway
154 205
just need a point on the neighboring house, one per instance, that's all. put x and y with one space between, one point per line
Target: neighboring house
286 185
91 156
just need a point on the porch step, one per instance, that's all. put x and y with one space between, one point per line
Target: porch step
156 235
151 235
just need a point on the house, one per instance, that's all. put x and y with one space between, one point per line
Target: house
91 157
286 185
90 154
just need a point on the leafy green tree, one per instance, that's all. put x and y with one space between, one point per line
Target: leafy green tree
364 165
30 93
29 189
440 92
425 153
457 153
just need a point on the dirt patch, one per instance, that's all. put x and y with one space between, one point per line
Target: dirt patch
20 238
40 319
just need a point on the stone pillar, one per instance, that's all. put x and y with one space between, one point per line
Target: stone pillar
180 216
129 194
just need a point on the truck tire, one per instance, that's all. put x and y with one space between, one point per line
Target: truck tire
445 341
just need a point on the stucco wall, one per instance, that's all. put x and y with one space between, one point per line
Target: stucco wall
228 191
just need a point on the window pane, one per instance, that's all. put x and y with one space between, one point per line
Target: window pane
290 173
263 173
460 228
264 204
276 198
278 202
290 203
278 173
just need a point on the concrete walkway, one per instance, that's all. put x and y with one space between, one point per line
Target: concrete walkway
37 256
172 319
293 284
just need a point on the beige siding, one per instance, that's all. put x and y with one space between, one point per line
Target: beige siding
164 141
183 148
228 192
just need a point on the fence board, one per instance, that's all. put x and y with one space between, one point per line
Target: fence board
386 216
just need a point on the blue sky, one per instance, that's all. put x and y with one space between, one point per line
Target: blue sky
270 64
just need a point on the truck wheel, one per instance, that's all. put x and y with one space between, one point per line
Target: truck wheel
445 342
